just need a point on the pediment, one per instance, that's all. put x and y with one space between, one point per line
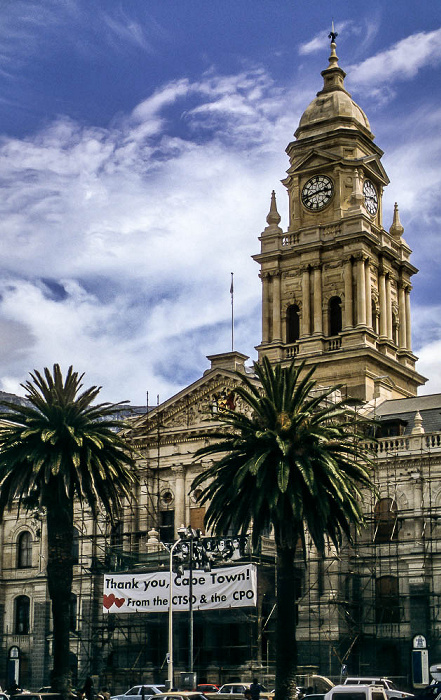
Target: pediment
374 166
315 158
192 407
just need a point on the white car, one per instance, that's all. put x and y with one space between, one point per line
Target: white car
140 692
356 692
388 685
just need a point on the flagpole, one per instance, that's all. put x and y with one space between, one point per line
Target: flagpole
232 311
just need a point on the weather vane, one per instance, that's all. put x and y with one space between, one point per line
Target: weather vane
332 34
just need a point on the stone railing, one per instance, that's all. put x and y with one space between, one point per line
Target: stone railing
333 343
291 351
422 443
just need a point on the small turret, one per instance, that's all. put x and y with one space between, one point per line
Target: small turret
396 230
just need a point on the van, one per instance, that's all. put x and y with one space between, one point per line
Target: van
356 692
388 685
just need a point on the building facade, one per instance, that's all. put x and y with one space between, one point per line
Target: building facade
336 293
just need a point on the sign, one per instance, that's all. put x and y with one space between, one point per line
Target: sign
231 587
419 642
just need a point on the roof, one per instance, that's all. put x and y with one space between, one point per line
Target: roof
429 408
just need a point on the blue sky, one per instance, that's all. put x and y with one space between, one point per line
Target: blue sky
139 144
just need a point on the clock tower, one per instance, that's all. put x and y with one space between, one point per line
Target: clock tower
336 285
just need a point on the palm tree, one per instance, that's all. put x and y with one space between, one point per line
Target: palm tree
291 460
56 450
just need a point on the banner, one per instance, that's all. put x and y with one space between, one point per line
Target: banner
232 587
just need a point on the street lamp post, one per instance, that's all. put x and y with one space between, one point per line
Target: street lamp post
181 533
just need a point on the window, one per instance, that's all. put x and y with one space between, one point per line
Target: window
385 520
292 324
75 546
167 526
73 613
387 600
335 316
21 618
24 550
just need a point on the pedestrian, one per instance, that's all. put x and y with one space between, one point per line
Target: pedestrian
88 689
255 689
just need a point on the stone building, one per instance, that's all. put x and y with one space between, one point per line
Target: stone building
336 293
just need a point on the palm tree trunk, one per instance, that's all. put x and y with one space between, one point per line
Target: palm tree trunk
286 645
59 577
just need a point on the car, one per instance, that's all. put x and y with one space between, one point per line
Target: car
140 692
207 688
37 696
237 688
358 691
388 685
180 695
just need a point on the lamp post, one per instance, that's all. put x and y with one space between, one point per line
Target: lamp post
181 533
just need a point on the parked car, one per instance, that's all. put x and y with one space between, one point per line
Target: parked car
389 686
207 688
430 692
140 692
37 696
237 688
181 695
358 691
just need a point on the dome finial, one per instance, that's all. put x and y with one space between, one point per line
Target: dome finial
397 229
333 58
273 215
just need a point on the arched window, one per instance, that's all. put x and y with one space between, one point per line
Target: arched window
374 317
387 600
334 316
395 325
292 324
73 612
21 617
385 520
75 546
24 550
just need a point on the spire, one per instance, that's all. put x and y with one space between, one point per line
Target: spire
333 75
333 58
417 424
273 218
396 230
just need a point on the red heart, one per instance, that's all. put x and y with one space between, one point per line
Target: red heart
119 601
108 600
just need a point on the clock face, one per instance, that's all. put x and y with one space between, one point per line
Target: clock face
317 192
370 197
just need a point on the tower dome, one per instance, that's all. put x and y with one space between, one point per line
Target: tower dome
333 108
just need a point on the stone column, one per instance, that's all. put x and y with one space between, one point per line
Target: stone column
180 516
382 295
306 303
277 334
408 328
361 291
368 294
349 300
318 318
265 308
402 314
388 308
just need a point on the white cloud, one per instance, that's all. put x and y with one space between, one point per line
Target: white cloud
118 243
400 62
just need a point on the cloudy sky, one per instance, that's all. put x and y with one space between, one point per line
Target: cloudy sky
139 144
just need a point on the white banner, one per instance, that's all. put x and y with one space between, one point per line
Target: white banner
232 587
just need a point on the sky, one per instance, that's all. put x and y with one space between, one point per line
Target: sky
140 141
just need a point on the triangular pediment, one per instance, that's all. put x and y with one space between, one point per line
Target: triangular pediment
374 166
192 407
315 158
